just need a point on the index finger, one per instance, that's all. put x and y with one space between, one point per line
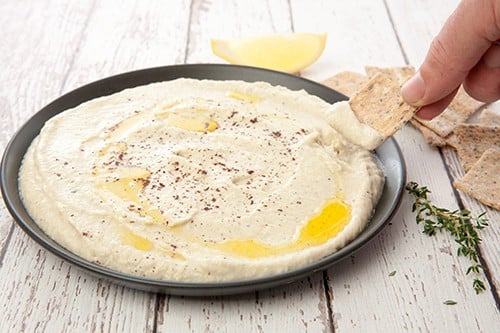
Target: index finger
464 38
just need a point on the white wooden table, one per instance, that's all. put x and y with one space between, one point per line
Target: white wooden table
50 47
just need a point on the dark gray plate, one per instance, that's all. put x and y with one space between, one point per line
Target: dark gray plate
389 156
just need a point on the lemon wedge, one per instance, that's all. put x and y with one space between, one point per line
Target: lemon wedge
283 52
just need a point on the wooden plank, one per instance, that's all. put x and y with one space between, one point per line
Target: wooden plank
45 294
64 46
143 35
417 23
299 307
229 19
74 45
427 28
7 128
23 48
412 298
413 28
428 271
490 247
35 61
358 35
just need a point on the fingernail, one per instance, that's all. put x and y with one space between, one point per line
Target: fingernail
413 90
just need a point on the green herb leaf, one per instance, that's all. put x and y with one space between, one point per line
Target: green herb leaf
392 273
461 224
478 286
450 302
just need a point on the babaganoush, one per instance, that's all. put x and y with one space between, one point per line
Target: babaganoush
201 181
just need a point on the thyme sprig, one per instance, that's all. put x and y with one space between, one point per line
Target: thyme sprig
461 224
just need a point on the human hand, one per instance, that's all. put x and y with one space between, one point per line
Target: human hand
466 50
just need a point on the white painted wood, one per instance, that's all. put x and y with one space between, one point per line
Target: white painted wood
50 47
359 34
45 293
417 22
428 271
423 28
284 309
225 19
33 65
490 246
302 307
420 262
41 293
139 35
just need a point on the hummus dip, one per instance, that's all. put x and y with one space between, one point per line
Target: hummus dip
198 180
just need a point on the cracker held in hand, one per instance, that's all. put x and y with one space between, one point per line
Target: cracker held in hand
473 140
346 82
379 105
483 179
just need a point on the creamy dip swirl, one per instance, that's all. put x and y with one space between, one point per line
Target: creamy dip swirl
199 180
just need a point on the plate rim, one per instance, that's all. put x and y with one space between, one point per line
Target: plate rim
12 197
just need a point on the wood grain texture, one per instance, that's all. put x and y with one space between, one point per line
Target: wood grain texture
42 293
230 19
24 90
359 34
50 47
143 35
490 247
407 295
300 307
409 32
46 293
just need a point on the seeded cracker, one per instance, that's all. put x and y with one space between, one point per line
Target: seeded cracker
401 74
346 82
460 109
473 140
452 141
379 105
486 118
483 179
430 137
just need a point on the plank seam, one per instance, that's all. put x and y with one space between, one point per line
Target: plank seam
7 242
329 300
393 25
72 62
482 261
290 13
188 31
156 310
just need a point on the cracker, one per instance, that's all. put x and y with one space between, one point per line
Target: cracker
465 104
452 140
483 179
346 82
379 105
473 140
460 109
430 137
400 74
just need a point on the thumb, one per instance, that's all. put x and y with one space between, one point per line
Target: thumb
465 37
